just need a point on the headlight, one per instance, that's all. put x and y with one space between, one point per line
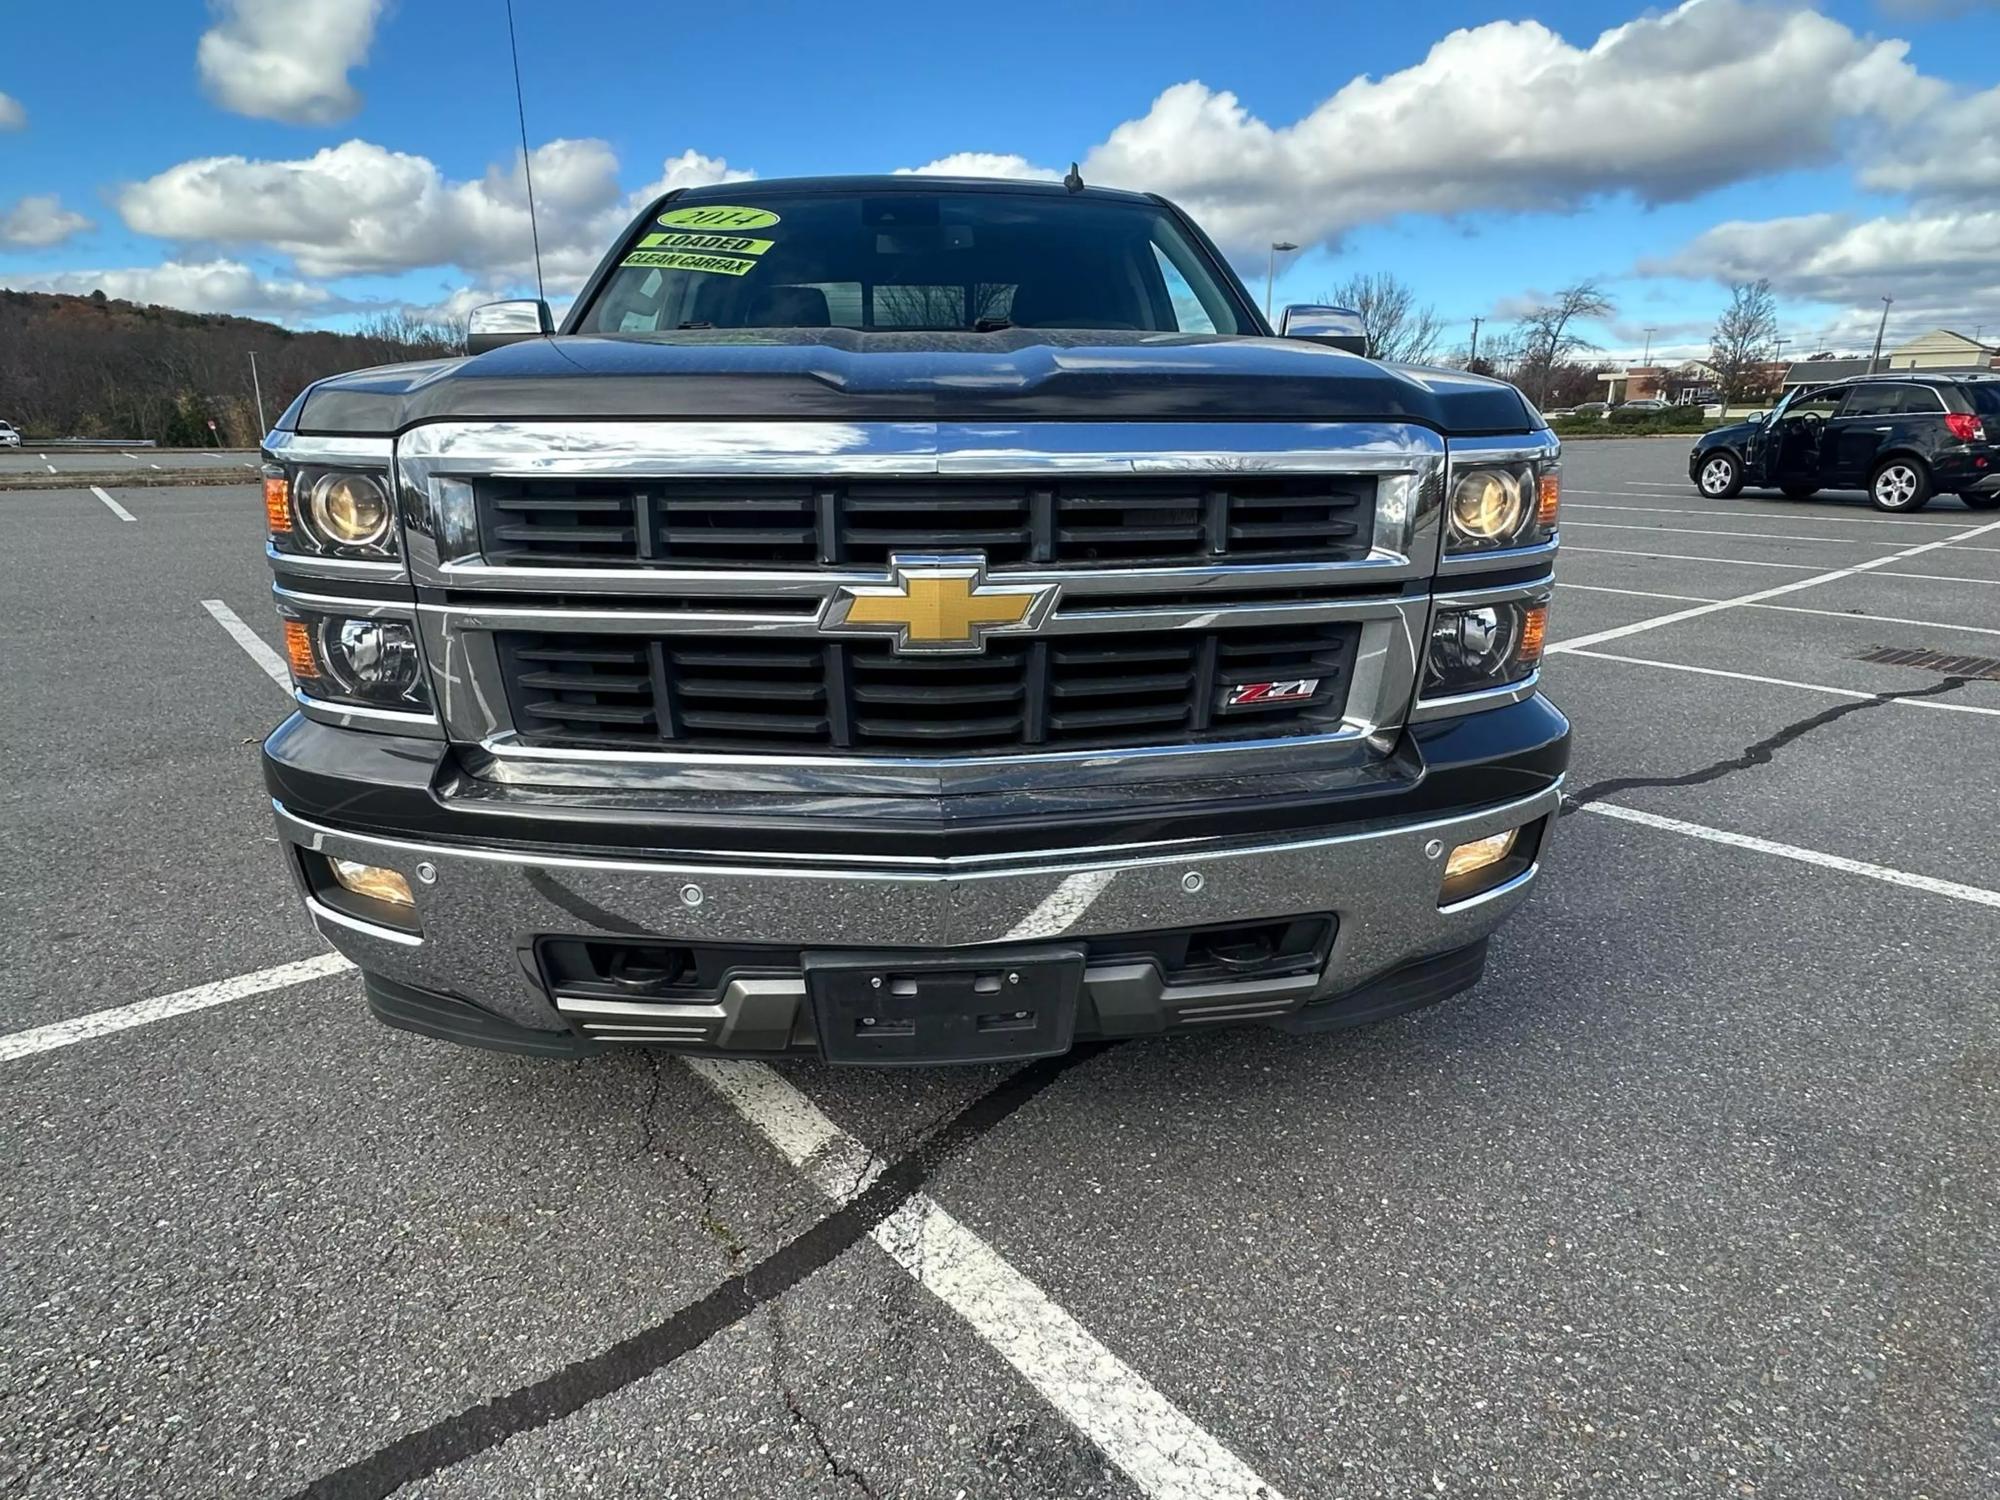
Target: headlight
330 512
354 659
350 510
1490 646
1501 505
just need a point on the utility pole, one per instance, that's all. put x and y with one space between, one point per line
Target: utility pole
257 385
1646 359
1271 272
1473 357
1875 359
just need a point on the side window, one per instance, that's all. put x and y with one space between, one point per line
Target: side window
1818 404
1189 315
1918 400
1871 401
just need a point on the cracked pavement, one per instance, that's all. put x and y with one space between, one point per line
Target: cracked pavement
1694 1195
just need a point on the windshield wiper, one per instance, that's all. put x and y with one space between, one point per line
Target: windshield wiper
694 325
991 325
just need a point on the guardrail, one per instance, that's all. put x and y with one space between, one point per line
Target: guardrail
29 442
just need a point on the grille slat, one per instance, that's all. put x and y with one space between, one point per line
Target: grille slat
1115 689
1062 522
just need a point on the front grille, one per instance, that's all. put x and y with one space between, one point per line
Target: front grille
776 694
1082 522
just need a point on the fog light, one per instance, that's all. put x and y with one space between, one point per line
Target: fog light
378 884
1466 859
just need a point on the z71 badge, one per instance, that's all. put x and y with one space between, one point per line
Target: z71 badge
1255 694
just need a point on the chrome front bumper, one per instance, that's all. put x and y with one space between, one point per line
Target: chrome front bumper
481 912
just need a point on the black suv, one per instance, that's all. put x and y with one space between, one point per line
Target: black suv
1903 438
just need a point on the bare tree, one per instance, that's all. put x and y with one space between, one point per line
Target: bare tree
1397 328
1548 333
1744 342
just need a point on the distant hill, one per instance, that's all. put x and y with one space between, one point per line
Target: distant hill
97 367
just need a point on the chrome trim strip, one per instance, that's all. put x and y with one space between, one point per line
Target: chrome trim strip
319 911
1468 703
1537 589
366 609
1498 892
359 716
464 617
1454 564
1507 447
307 565
307 448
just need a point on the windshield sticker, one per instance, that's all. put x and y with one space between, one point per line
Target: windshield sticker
718 216
729 243
689 260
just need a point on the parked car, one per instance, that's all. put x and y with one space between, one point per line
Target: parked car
1592 409
1644 403
1903 438
1560 411
9 438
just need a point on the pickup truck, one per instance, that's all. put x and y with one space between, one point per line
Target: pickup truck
908 620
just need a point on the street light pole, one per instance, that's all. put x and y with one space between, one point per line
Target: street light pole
1271 272
1875 359
257 385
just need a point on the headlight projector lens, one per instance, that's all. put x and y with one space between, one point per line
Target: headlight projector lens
350 510
1488 505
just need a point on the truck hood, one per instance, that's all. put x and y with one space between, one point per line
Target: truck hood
843 375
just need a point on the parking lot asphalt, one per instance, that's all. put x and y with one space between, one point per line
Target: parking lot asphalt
1696 1194
36 461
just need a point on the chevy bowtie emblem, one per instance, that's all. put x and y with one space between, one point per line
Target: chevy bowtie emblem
937 605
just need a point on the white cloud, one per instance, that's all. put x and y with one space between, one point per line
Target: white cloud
982 164
39 221
1510 116
688 170
287 59
215 286
359 208
13 115
1941 265
1952 151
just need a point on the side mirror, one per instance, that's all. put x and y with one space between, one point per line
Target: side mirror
1340 327
495 323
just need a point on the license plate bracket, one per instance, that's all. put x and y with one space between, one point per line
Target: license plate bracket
975 1006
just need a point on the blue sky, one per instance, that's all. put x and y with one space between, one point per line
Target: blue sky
315 159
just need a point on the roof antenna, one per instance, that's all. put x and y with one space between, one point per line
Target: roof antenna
1074 182
527 164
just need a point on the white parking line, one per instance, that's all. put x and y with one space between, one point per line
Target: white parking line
116 509
272 663
1618 632
144 1012
133 456
1808 687
1794 609
1160 1448
1751 562
1754 536
49 466
152 466
1976 894
1801 513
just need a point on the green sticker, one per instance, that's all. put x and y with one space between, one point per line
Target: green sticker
727 242
686 260
718 216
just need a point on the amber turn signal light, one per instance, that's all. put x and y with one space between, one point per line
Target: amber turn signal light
299 649
1534 629
1548 501
277 502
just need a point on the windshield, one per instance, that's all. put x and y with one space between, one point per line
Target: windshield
912 261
